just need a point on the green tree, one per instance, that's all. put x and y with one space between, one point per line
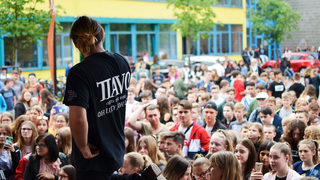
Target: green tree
24 23
194 17
274 19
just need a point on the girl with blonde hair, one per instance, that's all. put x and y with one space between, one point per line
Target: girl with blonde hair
134 162
312 133
219 141
23 103
35 112
63 140
224 166
256 134
147 145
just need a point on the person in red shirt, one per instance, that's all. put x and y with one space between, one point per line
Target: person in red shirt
238 85
34 87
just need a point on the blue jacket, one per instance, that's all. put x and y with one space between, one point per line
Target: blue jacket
276 122
201 83
315 171
315 81
3 104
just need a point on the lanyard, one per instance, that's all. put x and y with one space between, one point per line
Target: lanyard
188 128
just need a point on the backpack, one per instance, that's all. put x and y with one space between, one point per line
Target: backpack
38 89
2 91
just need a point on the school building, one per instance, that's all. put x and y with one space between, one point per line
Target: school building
136 27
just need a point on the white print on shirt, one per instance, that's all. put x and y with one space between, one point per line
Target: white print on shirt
113 85
186 140
114 91
279 88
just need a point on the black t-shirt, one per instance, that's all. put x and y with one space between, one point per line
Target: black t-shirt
284 178
99 84
277 89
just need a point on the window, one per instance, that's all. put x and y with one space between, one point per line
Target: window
145 27
204 46
120 27
27 57
121 43
166 28
224 27
222 2
236 3
225 42
236 38
145 44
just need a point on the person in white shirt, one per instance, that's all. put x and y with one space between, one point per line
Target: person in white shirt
215 95
130 102
220 69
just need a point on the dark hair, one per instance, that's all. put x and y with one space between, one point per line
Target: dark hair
186 104
261 86
50 143
265 110
250 84
128 133
251 159
86 33
163 106
46 98
70 171
293 125
266 145
178 137
277 71
176 167
32 74
7 81
65 115
229 105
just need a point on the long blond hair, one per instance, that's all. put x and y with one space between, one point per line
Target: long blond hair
65 135
153 151
20 142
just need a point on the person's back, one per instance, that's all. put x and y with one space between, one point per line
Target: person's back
96 95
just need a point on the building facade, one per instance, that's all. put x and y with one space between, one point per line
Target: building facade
135 28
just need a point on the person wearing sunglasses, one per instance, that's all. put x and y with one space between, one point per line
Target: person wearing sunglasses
200 167
46 162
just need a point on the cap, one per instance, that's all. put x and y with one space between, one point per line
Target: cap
190 76
211 105
262 95
157 67
186 64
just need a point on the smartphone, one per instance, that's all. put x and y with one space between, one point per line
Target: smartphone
61 109
8 139
258 166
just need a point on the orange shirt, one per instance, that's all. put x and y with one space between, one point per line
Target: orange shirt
35 96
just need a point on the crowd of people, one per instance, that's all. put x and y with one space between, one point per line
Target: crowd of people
232 121
223 122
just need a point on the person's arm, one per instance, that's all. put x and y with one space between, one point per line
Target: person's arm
132 122
79 129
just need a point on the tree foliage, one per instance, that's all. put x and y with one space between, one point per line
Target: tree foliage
194 16
274 19
21 20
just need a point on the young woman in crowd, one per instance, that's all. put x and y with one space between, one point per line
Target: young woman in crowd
243 67
263 156
46 163
216 79
23 103
6 118
134 162
302 104
130 140
9 155
308 92
42 124
147 145
35 111
15 126
280 161
173 74
224 166
256 134
26 137
308 153
177 168
67 172
61 120
220 141
200 167
63 140
47 101
306 75
164 109
246 155
293 134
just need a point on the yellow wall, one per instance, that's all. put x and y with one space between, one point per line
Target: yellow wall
143 10
44 74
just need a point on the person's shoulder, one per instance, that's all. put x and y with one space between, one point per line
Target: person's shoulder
297 165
